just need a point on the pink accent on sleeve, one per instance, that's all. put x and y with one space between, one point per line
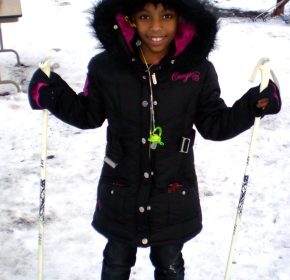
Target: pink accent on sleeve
184 36
276 94
86 87
35 93
128 31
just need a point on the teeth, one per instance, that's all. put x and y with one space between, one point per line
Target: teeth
155 39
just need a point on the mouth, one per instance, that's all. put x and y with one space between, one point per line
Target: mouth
156 40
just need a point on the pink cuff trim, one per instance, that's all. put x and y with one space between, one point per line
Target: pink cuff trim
276 94
86 87
35 93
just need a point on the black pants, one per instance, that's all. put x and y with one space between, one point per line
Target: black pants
119 258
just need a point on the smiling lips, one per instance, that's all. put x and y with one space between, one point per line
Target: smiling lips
156 41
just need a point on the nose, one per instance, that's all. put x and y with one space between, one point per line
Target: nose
156 25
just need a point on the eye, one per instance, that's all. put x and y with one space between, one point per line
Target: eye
168 15
143 17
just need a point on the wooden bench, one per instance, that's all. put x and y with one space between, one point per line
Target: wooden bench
10 11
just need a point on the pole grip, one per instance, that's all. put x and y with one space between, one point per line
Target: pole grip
263 66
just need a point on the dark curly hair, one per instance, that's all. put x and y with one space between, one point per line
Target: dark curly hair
133 6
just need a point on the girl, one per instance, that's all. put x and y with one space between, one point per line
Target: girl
152 83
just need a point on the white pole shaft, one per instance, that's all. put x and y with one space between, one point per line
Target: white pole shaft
263 66
42 192
45 67
236 229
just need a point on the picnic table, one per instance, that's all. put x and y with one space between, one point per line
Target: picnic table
10 11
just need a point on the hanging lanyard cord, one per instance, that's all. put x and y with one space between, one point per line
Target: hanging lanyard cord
155 132
152 113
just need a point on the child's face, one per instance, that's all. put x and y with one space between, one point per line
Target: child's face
156 27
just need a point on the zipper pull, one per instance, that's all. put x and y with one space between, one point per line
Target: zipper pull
154 79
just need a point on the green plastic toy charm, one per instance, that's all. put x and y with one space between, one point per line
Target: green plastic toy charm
155 138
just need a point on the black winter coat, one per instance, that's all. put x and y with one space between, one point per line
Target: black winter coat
149 197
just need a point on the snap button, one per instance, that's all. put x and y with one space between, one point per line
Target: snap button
152 173
155 103
112 192
133 59
143 141
148 208
138 43
144 241
146 175
183 193
115 27
172 61
145 103
141 209
144 77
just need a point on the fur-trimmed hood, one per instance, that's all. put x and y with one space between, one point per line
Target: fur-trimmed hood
195 39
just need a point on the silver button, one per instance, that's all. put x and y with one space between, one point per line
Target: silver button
144 77
148 208
183 193
145 103
138 43
152 173
172 61
144 140
144 241
115 27
112 192
133 59
155 102
146 175
141 209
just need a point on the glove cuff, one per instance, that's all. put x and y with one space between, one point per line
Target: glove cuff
35 93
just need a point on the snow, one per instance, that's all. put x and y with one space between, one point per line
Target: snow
73 250
247 5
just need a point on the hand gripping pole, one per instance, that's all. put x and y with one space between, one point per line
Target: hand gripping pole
45 67
264 66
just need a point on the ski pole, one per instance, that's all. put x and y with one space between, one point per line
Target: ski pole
45 67
266 73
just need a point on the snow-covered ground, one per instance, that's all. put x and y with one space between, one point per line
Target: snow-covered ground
73 250
246 5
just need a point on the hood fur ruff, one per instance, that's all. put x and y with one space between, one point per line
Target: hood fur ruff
198 31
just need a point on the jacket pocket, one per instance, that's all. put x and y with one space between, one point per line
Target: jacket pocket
116 202
174 206
184 205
